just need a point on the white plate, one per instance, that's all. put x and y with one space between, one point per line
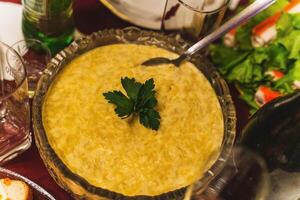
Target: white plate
145 13
10 22
39 193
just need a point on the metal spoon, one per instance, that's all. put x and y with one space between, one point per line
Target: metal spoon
247 13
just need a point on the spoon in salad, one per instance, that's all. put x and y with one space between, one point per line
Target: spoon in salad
249 12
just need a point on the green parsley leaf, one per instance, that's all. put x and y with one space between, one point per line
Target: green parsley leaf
140 100
150 118
147 94
125 106
131 87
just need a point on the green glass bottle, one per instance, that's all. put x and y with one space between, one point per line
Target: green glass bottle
50 21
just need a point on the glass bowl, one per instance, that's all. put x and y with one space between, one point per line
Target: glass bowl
77 185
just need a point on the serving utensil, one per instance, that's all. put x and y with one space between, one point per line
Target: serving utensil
247 13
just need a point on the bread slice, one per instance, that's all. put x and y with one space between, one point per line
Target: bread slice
14 190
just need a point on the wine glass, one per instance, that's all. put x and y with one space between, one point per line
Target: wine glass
245 176
35 55
194 19
15 134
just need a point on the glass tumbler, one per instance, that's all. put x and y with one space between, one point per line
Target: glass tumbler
35 56
193 18
245 176
15 136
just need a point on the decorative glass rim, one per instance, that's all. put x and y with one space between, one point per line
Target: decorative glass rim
22 47
24 75
187 5
31 42
78 186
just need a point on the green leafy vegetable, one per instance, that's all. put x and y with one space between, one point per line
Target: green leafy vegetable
226 58
150 118
140 100
295 50
278 57
296 21
284 24
125 106
246 72
247 67
293 74
288 28
247 96
243 37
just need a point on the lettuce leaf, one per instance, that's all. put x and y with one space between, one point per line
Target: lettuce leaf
284 24
296 21
285 85
248 97
226 58
247 67
246 72
294 75
288 28
295 72
278 57
295 50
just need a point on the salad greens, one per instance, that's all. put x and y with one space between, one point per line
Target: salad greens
247 67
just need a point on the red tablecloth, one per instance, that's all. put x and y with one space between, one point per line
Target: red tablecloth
90 16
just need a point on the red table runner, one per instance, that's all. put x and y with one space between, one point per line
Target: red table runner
90 16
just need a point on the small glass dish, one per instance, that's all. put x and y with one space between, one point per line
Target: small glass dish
77 185
39 193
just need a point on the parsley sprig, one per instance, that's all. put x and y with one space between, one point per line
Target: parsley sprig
140 100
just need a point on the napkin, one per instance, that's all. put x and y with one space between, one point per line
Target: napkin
10 22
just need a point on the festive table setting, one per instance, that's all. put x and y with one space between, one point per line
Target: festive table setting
258 60
90 16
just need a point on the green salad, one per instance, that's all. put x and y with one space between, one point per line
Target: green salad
249 68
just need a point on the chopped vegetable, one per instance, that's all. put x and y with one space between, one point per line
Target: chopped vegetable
250 68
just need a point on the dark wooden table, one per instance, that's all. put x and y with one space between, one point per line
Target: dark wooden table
90 16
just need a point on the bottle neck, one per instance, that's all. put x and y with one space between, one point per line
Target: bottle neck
48 8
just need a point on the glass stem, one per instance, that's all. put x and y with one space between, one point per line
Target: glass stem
162 25
2 103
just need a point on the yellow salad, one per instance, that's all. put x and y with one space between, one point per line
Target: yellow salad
121 155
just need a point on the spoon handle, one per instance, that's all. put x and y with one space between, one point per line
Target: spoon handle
247 13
